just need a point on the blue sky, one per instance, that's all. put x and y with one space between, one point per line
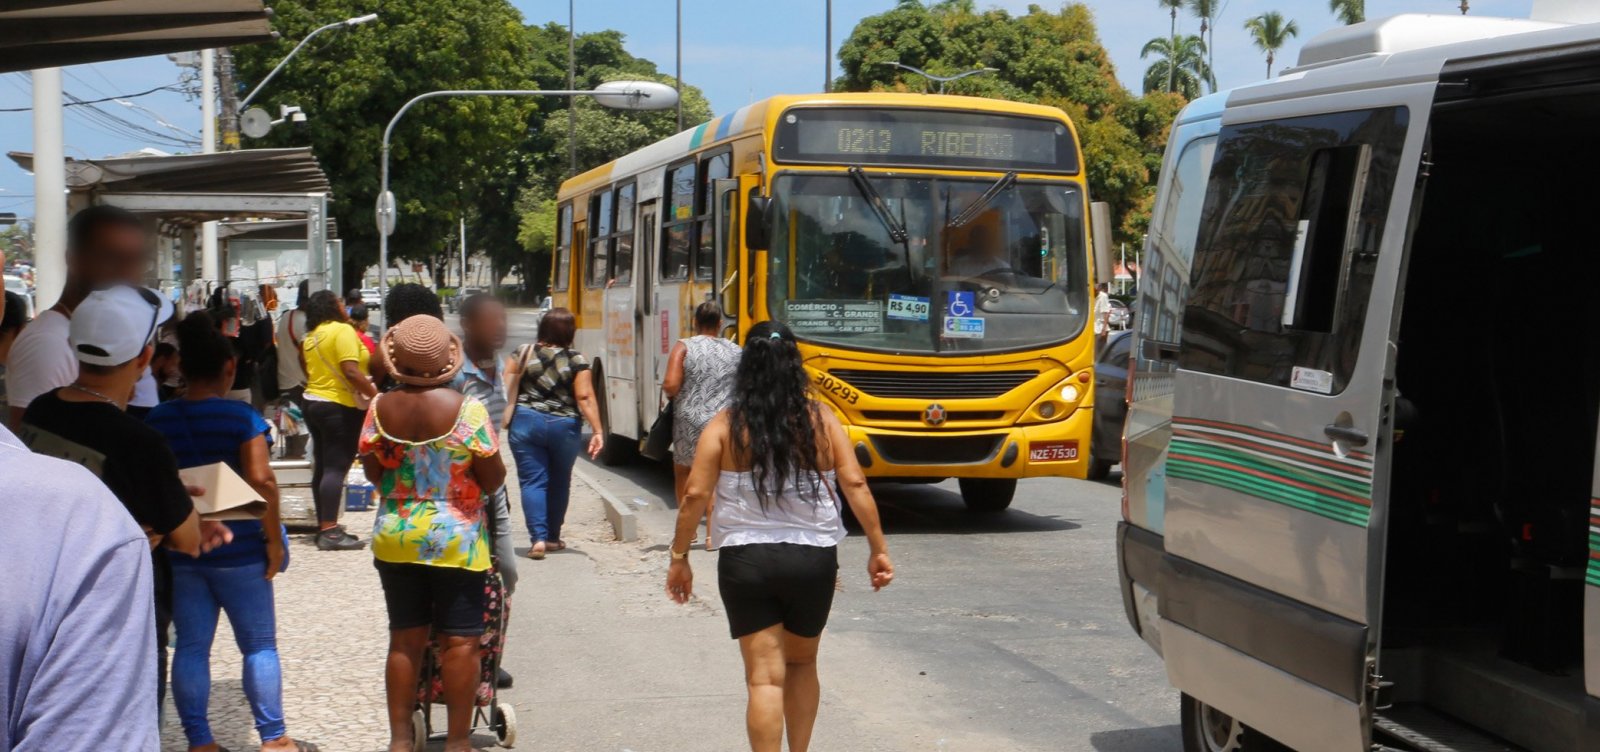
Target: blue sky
734 49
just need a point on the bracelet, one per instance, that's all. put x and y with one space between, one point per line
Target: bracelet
677 556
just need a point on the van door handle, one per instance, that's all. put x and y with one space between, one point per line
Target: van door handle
1347 434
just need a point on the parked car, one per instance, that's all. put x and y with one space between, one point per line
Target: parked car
1121 315
453 303
1110 403
371 299
20 287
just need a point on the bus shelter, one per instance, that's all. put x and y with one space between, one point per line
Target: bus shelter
49 33
179 193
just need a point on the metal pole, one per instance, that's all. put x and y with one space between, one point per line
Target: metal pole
208 144
463 234
49 189
827 51
572 67
230 100
680 66
285 61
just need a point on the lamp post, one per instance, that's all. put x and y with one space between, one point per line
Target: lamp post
941 79
348 23
622 95
232 109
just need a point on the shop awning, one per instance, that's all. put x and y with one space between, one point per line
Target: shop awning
49 33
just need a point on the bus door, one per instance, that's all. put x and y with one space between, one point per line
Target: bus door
621 323
725 208
1271 583
654 337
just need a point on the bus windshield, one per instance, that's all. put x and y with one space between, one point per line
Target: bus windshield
914 264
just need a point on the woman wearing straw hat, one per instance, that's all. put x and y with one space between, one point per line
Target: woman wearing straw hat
430 451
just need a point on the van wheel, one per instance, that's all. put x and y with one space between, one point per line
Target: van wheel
618 450
1207 729
1099 469
987 495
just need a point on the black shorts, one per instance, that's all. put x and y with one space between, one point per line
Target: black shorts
450 599
763 584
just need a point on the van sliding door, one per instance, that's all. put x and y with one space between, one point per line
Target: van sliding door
1280 415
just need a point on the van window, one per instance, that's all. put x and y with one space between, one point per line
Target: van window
1288 242
1172 242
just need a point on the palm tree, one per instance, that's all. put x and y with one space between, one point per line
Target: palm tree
1172 7
1206 11
1184 64
1349 11
1271 31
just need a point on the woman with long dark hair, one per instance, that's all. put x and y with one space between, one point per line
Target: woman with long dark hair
337 393
772 460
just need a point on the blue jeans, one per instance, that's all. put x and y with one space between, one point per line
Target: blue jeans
198 592
544 446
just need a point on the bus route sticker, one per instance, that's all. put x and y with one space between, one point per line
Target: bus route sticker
836 316
907 307
963 327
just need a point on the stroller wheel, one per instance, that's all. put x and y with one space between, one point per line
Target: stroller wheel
504 722
419 730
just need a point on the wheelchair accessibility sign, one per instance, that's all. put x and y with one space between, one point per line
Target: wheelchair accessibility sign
960 320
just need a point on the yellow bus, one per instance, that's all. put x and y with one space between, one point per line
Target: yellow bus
932 253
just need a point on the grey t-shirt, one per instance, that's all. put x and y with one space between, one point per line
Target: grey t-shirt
77 618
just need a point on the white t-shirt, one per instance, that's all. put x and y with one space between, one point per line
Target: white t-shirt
291 332
1102 313
42 360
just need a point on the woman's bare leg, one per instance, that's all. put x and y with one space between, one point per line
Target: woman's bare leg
462 672
801 692
400 683
764 676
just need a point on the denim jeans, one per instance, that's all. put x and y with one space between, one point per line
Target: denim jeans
243 592
544 446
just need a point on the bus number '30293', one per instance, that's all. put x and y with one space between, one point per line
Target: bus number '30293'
829 384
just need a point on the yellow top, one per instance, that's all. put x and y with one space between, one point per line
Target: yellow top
327 346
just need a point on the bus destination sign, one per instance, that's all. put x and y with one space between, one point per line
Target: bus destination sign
924 138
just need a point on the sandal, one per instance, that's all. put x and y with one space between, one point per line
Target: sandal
537 552
304 746
555 546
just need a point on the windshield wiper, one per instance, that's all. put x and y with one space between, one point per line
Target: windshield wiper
897 231
970 213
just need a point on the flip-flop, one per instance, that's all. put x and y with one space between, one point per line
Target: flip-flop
536 554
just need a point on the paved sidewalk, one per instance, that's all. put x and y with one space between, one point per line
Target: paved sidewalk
604 662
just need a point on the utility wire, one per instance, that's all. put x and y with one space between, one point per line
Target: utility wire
84 102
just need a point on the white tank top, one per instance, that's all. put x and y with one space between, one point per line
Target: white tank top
799 513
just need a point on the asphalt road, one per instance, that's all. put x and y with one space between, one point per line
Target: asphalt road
1013 620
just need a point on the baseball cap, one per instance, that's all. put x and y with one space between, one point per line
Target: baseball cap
111 326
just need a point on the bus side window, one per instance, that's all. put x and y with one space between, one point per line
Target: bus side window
1288 242
563 265
711 169
678 225
622 243
598 271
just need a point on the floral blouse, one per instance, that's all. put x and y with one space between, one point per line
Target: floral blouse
430 508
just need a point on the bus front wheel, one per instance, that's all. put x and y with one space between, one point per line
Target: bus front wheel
988 494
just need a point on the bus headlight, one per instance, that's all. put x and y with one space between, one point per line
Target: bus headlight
1057 402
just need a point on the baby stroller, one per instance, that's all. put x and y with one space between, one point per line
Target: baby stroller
489 714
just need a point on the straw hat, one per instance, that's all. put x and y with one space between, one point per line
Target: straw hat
420 351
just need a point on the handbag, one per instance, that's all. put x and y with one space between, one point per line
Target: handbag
658 442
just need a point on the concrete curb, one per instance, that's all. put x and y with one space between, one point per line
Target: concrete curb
624 523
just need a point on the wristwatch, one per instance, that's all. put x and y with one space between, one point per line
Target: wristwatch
677 556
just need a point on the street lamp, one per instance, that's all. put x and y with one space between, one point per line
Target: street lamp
621 95
348 23
941 79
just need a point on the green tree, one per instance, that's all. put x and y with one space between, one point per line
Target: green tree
16 242
1182 67
1052 58
1269 32
1349 11
351 84
1172 6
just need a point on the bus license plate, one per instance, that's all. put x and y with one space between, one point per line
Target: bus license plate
1052 451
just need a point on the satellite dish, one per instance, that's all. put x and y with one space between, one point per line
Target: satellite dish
255 122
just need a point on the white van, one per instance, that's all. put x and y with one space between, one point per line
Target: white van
1362 507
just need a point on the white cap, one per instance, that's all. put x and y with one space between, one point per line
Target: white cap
111 326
